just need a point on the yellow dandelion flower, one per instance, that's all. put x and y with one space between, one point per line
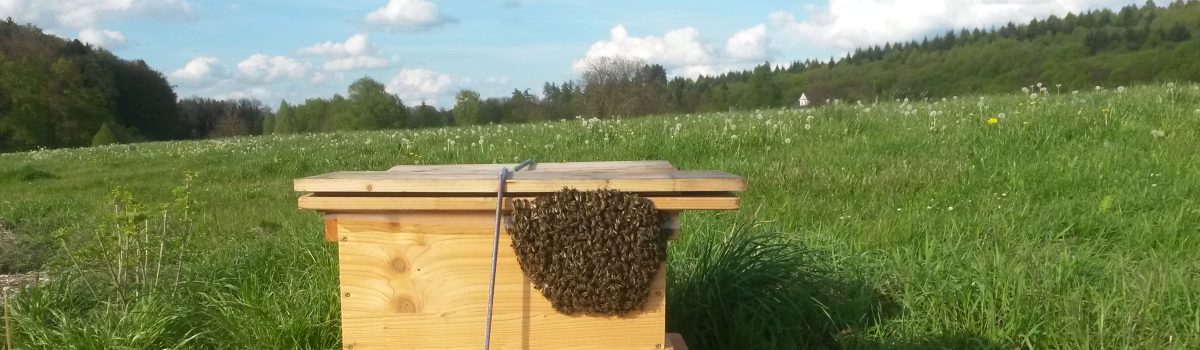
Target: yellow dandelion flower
993 121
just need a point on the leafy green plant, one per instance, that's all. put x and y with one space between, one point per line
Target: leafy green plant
749 286
132 245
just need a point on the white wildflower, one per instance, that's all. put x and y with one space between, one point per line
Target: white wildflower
1156 133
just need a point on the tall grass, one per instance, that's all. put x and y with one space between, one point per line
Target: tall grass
1069 224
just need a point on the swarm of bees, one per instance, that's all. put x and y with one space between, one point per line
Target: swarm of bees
589 252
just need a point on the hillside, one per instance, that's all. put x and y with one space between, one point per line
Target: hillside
59 93
1134 45
1069 223
1076 52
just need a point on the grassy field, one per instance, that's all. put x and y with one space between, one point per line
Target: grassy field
1072 222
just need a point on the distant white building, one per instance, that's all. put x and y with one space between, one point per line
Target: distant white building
803 101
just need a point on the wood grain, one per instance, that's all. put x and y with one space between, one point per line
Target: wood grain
421 283
529 182
638 166
330 229
350 203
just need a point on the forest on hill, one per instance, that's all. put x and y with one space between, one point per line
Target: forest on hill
63 93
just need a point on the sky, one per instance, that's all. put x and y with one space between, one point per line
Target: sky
428 50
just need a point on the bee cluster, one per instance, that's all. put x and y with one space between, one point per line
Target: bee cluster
589 252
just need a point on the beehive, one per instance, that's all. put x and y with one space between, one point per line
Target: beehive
415 245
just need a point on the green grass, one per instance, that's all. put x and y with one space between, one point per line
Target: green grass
1070 224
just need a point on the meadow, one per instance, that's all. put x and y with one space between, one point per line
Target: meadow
1038 219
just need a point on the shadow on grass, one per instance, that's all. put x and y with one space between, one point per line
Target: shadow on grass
747 286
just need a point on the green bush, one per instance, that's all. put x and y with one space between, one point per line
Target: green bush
105 136
748 287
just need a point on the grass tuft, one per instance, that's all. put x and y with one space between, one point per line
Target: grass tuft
750 286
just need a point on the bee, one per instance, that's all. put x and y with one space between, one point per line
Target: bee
589 252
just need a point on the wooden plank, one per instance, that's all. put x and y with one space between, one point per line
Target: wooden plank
636 166
675 342
326 203
421 283
330 229
410 221
530 182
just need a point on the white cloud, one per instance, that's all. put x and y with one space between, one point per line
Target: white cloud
750 44
417 85
356 53
682 50
407 15
104 38
86 16
260 68
356 45
199 70
847 24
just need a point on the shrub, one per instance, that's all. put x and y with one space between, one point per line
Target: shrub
105 136
750 288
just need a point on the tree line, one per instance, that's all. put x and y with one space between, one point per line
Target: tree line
1135 44
60 93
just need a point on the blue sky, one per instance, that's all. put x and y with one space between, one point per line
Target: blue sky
427 50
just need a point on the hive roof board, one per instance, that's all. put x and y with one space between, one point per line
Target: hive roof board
483 178
469 186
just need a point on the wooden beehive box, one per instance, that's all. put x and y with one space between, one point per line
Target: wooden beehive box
415 245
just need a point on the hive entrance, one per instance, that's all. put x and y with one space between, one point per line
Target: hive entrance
589 252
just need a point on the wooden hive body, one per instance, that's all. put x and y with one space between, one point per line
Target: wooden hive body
415 243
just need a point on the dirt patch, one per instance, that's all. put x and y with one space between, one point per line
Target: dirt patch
12 283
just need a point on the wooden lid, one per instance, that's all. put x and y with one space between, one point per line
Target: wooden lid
469 186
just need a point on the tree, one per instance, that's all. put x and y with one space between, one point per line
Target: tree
145 101
428 116
372 107
607 83
623 86
761 91
467 108
105 136
284 119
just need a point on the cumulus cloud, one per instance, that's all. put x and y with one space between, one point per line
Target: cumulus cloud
199 70
420 85
847 24
260 68
356 45
104 38
407 15
86 16
750 44
356 53
682 50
